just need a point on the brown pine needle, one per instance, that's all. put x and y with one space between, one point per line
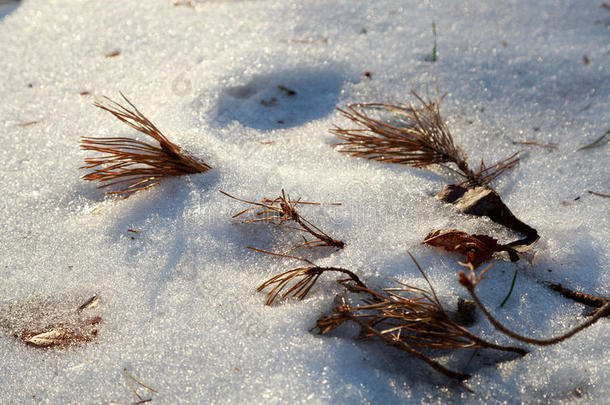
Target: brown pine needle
583 298
415 135
599 194
281 210
135 165
552 145
129 376
601 141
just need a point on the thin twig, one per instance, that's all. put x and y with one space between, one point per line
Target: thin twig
470 283
598 194
587 299
129 376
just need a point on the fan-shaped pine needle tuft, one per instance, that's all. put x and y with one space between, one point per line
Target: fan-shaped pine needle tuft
135 165
415 135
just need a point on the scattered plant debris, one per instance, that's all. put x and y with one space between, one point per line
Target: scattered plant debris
418 136
113 54
51 322
476 248
134 164
471 281
598 142
281 210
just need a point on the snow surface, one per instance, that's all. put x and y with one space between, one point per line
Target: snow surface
178 299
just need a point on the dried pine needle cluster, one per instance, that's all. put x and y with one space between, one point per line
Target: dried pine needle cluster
406 317
135 165
302 279
415 136
281 211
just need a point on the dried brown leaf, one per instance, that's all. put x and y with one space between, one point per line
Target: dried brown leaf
476 248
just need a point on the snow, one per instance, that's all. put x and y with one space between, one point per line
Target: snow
178 298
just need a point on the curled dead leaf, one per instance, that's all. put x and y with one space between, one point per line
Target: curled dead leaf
483 201
476 248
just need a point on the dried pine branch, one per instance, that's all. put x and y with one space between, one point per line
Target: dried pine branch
417 136
409 318
281 210
471 281
135 165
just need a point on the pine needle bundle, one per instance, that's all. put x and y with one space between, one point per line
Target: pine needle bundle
416 135
132 164
282 210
